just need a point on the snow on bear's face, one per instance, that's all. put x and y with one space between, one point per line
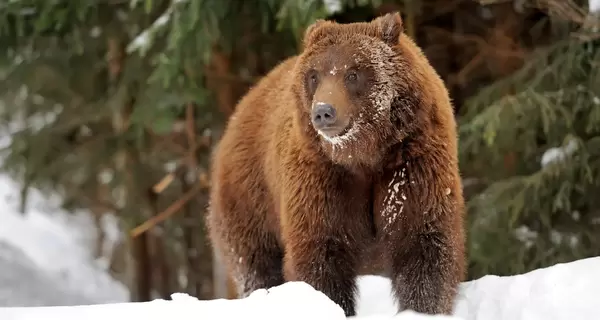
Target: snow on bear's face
347 79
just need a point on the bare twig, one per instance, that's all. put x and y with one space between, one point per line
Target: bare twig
169 177
163 183
172 209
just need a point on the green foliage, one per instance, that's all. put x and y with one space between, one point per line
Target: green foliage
542 210
57 65
56 69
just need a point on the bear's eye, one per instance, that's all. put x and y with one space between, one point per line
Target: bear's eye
352 76
312 79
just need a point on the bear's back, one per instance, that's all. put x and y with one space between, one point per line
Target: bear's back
260 111
245 159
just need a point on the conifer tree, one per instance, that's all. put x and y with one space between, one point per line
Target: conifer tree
533 142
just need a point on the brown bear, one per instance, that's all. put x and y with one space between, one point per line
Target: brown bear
346 148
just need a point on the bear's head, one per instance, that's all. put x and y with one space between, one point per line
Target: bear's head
360 88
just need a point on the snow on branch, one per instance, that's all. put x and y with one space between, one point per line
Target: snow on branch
333 6
143 41
557 154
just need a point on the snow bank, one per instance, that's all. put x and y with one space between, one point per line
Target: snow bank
56 244
22 283
291 301
564 291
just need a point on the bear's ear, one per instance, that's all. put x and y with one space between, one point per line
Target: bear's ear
310 34
391 27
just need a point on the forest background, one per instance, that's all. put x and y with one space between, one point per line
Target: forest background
116 105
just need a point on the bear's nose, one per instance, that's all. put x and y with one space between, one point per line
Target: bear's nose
323 115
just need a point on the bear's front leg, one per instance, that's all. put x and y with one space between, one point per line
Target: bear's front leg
325 262
421 225
325 225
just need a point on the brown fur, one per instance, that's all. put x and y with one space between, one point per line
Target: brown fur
289 204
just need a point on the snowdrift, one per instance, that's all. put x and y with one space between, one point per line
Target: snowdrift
564 291
54 247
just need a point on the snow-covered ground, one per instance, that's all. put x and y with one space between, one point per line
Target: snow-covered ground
561 292
46 254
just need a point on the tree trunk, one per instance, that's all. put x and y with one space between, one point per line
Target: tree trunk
160 261
143 273
127 198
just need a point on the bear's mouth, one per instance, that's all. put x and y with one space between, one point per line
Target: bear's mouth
338 134
332 132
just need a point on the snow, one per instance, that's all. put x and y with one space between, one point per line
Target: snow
143 40
557 154
594 5
22 283
293 300
55 246
391 200
526 235
333 6
341 139
113 235
563 291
